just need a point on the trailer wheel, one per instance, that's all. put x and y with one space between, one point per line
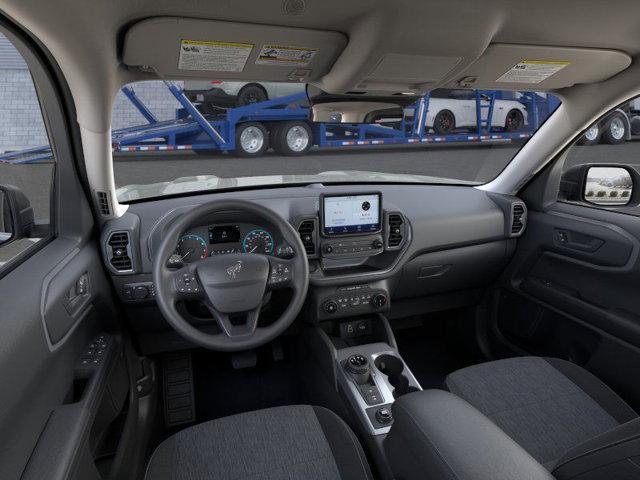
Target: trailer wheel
252 139
514 121
615 131
591 136
250 94
292 138
444 122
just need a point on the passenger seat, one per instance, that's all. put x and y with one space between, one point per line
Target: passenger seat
521 418
548 406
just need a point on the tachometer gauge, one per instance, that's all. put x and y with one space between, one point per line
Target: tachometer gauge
191 248
258 241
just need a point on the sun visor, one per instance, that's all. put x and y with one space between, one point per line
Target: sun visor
183 48
397 72
528 67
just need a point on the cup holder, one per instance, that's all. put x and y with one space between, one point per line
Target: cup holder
393 367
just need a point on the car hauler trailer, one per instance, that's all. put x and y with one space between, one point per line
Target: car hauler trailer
283 124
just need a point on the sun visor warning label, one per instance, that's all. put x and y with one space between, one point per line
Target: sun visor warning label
532 71
285 55
213 56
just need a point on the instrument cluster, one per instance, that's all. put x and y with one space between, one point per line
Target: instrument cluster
212 240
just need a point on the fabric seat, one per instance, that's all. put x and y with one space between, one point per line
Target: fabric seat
548 406
293 442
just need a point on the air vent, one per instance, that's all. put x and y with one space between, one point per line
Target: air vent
103 203
395 229
518 215
118 251
307 235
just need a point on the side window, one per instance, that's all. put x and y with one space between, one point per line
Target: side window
26 160
601 169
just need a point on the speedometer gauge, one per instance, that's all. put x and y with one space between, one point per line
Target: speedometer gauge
258 241
191 248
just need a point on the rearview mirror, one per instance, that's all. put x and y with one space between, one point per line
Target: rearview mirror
16 214
330 108
608 186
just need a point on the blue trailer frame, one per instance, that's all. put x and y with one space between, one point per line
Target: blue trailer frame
192 130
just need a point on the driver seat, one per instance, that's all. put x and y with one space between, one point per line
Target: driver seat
293 442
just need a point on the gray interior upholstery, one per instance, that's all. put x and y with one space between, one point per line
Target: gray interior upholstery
548 406
437 435
293 442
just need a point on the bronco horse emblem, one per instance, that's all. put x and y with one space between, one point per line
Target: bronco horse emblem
234 269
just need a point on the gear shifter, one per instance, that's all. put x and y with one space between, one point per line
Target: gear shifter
358 366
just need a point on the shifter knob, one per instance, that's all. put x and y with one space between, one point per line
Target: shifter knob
358 366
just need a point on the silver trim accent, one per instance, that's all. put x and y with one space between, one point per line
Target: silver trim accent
380 379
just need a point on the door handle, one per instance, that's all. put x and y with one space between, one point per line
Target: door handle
78 295
576 241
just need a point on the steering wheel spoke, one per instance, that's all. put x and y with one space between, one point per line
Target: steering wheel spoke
236 328
280 273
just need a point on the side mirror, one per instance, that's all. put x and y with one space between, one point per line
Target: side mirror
608 186
16 214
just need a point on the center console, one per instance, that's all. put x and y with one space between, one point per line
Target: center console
367 375
372 377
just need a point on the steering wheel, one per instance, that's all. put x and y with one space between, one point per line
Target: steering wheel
230 285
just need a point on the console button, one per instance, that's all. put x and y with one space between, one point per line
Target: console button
383 415
328 249
378 243
140 292
357 364
379 300
330 307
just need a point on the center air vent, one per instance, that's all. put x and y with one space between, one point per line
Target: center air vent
395 229
307 235
118 252
519 219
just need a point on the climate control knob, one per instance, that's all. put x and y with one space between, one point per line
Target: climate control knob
379 300
377 244
330 307
328 249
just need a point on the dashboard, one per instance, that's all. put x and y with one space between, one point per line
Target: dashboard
394 249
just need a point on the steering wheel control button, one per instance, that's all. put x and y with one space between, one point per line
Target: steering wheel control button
187 284
280 274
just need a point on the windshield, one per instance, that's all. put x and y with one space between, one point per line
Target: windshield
176 137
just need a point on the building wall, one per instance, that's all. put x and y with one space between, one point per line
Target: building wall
154 94
21 124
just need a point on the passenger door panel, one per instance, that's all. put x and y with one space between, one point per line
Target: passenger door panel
571 291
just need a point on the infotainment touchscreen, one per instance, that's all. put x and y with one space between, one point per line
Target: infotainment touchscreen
344 214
